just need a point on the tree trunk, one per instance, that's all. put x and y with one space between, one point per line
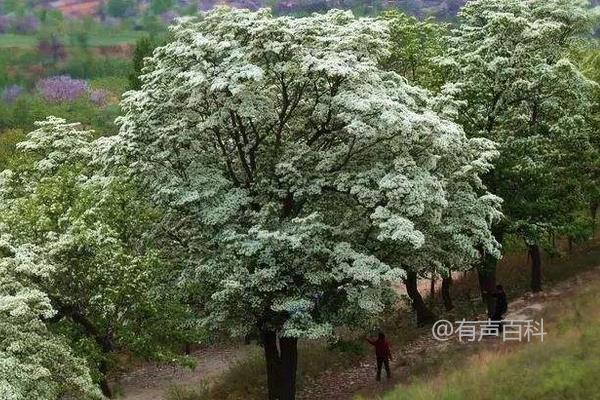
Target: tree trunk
282 362
570 239
104 386
487 285
106 345
594 205
424 315
536 268
104 341
486 273
289 365
272 361
446 283
432 287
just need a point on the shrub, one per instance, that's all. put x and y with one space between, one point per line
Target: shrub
11 93
99 97
27 24
61 88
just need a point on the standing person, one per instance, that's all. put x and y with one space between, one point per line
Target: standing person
382 353
501 305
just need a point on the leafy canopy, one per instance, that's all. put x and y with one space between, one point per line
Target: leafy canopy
299 179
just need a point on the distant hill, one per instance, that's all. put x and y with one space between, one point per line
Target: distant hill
444 9
441 9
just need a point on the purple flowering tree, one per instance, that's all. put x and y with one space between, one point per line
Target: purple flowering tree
28 24
62 88
100 97
6 23
11 93
169 16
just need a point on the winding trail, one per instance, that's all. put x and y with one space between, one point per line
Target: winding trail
152 381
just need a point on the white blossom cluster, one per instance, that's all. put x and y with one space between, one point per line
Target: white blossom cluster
76 252
299 178
34 362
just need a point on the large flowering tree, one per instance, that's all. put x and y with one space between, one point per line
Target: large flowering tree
105 287
35 363
507 65
299 179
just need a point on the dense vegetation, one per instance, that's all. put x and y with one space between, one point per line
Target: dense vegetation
274 175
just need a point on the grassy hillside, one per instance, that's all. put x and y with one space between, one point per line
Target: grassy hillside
565 366
12 40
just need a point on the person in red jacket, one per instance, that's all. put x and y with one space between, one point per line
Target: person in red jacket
383 354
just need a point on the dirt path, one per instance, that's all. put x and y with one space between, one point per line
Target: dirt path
152 381
359 380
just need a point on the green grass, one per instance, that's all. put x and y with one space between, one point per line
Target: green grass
114 84
100 39
247 379
565 366
15 40
123 37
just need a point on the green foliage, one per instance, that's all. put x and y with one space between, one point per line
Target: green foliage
160 6
527 96
415 46
118 8
143 48
8 140
27 109
111 288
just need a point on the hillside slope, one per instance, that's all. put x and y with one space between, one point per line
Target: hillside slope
565 366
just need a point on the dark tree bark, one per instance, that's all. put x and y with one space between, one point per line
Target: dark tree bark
104 340
446 283
594 205
536 268
103 368
487 284
432 287
570 240
281 357
424 315
289 364
272 361
486 273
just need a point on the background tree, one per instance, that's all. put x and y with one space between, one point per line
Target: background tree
160 6
143 48
110 288
119 8
36 363
415 46
509 70
298 179
588 57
